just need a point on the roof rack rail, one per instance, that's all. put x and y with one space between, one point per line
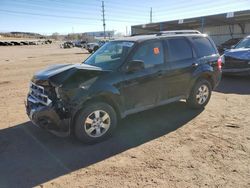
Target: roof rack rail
176 32
138 34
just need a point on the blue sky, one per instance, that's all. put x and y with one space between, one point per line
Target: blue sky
49 16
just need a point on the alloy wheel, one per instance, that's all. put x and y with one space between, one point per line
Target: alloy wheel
202 94
97 123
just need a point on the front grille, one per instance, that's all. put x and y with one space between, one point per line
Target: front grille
38 94
235 63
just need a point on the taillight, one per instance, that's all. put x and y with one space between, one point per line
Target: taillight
219 63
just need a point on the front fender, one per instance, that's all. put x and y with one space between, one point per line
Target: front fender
107 92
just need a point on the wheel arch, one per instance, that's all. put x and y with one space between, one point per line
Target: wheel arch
207 76
106 98
204 72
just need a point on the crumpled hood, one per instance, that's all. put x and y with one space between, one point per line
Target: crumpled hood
59 74
53 70
241 53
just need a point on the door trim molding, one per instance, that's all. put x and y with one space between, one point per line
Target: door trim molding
147 107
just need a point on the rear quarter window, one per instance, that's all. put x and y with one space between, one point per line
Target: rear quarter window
203 46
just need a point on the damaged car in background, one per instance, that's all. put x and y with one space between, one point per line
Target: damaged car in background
92 47
237 59
228 45
67 44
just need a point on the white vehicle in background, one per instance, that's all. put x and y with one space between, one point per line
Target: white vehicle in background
92 47
80 43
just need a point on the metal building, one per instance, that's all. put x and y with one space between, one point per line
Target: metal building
220 27
100 33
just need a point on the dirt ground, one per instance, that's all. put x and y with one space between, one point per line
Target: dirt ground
170 146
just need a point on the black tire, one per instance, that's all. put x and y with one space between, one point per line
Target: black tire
90 51
80 127
192 100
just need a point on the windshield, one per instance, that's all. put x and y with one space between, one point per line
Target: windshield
245 43
110 55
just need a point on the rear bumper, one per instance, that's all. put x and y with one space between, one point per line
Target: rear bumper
47 117
217 79
236 71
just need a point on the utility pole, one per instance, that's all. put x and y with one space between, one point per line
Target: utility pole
151 15
103 20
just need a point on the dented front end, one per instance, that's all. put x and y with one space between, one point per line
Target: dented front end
46 110
55 94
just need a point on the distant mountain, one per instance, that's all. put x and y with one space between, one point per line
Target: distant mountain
22 35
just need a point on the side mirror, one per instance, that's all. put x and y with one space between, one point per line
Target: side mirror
233 46
135 65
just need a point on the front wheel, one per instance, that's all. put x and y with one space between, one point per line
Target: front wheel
200 94
96 122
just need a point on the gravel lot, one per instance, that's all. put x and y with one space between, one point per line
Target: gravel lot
170 146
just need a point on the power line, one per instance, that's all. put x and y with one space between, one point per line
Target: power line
77 9
40 8
59 3
195 6
82 5
36 8
111 12
162 9
127 12
57 20
221 8
47 15
59 16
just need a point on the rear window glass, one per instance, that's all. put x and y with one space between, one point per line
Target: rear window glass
203 47
179 49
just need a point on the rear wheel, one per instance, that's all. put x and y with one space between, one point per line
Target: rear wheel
200 94
95 123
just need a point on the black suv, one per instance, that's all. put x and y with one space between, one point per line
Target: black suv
124 77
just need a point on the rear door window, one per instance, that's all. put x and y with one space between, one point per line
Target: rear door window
151 53
203 46
179 49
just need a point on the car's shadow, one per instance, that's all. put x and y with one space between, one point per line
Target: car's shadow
30 156
234 85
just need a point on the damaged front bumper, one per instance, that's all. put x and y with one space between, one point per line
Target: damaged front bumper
47 117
